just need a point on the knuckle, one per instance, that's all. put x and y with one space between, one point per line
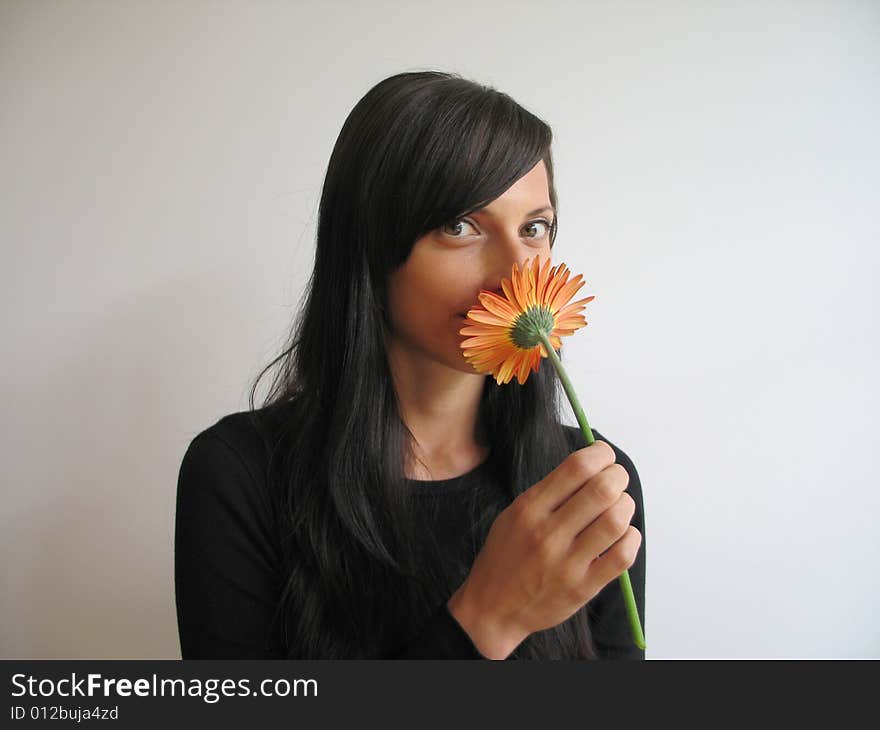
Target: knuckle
636 540
556 544
538 541
621 471
623 559
619 521
633 546
521 509
606 488
582 467
611 456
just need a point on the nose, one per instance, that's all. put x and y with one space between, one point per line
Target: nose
507 251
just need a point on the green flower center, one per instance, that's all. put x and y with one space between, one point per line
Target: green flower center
525 332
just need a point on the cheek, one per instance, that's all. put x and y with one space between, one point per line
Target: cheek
415 306
429 292
437 290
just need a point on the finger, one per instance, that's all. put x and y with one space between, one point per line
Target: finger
567 478
618 558
584 506
602 534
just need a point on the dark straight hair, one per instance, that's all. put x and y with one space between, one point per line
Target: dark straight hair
418 150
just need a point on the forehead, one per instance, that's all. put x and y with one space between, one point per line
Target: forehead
529 195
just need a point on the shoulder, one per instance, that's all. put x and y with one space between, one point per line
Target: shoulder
229 458
248 435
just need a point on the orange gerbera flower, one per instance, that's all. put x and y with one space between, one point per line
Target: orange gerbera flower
506 331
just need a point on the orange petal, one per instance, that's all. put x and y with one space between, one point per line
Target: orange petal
536 360
506 369
521 285
482 329
567 329
488 318
525 363
566 293
507 286
495 353
483 341
571 320
490 351
498 305
574 307
519 290
543 279
556 283
480 332
530 281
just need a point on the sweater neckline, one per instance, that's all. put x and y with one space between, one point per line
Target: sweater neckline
451 484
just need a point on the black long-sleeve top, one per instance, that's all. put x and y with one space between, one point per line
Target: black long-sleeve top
226 556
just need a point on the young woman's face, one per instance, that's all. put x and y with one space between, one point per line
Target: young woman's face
433 290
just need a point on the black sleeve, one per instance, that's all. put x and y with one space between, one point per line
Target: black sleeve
607 612
442 637
225 562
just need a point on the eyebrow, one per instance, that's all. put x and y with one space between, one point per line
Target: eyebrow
542 209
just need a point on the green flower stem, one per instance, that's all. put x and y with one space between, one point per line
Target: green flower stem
623 579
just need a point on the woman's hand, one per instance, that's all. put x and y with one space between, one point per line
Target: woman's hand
549 552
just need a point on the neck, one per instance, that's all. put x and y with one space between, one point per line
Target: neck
440 406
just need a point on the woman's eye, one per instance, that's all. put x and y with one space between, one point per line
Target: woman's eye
544 223
455 224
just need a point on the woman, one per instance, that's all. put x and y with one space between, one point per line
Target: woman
385 500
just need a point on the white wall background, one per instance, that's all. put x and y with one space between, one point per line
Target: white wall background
717 166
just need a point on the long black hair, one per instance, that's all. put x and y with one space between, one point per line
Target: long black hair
418 150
